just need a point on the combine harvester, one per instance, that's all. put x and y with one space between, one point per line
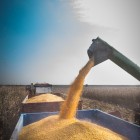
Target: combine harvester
99 51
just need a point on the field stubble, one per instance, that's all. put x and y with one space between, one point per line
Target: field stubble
10 106
125 96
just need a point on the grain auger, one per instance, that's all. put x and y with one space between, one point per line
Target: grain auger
101 51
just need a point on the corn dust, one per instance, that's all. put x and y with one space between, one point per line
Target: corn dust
68 109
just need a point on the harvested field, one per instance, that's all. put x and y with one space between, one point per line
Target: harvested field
125 96
10 105
105 98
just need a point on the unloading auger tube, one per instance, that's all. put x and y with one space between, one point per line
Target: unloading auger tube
101 51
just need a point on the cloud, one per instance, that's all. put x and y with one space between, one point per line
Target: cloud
109 13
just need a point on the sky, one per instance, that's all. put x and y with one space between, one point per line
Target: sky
47 40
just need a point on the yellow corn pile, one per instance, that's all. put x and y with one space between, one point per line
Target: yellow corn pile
53 128
65 126
44 98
